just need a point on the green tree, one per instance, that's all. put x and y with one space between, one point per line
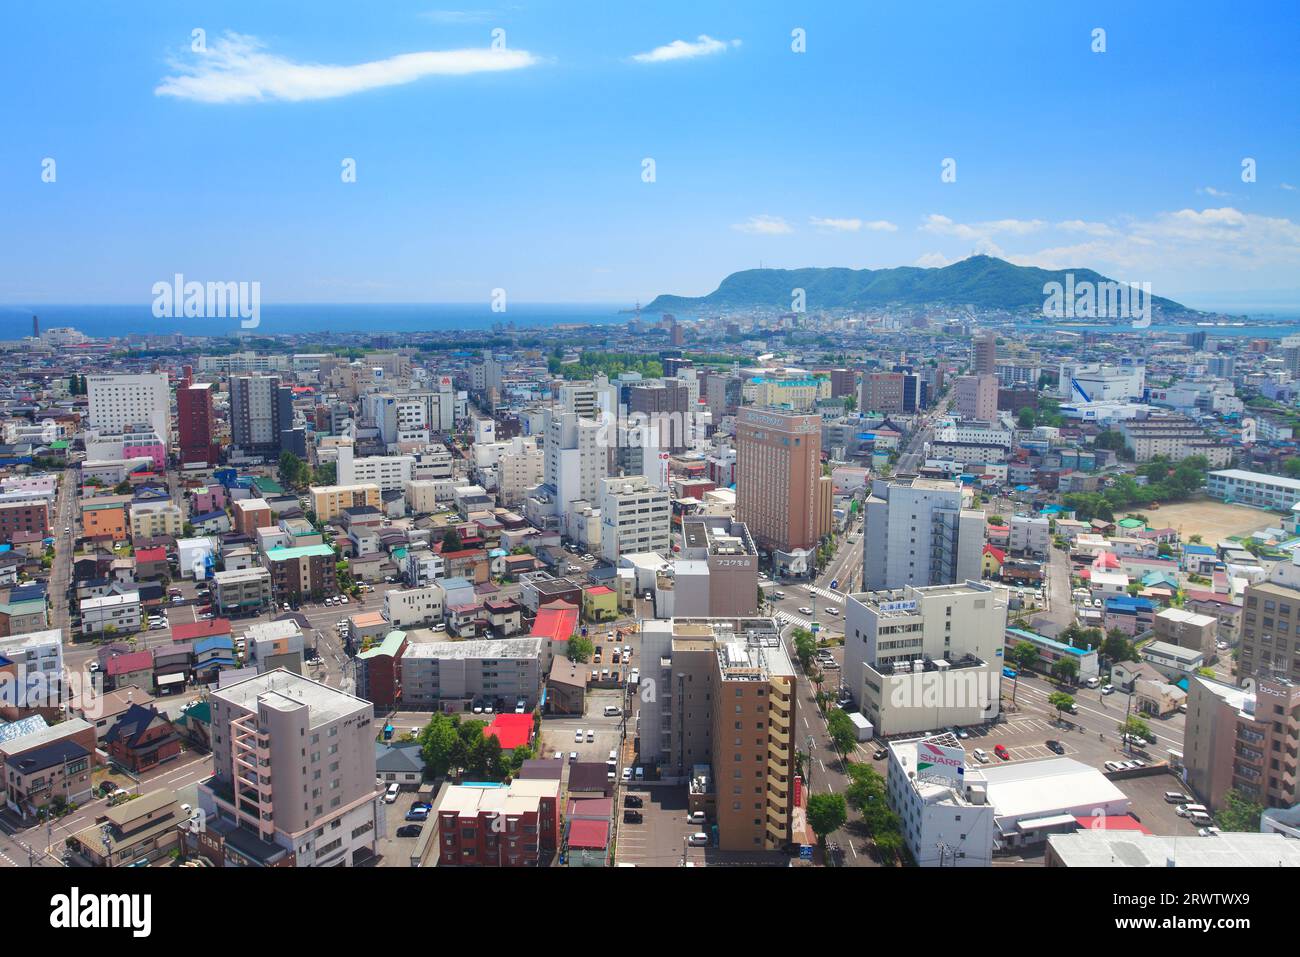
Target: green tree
805 647
1065 669
1026 418
842 730
1134 727
293 470
1061 701
451 541
1239 813
438 740
827 813
1023 655
580 648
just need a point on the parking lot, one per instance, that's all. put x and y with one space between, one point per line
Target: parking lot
394 851
606 733
659 840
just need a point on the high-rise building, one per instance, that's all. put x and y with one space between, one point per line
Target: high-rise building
779 493
923 658
896 391
666 405
1270 625
293 775
195 423
916 532
119 403
843 382
977 397
576 461
984 354
728 724
261 412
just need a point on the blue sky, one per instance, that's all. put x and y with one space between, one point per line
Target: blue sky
524 172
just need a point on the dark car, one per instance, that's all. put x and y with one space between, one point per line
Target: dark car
880 754
631 800
410 830
1055 747
418 814
632 817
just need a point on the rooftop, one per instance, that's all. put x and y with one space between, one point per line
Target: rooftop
1092 847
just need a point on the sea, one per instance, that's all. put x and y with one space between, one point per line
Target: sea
100 321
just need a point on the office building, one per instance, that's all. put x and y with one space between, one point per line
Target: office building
329 501
976 397
1259 489
1270 624
305 571
293 775
916 532
635 516
942 822
729 557
984 354
453 674
922 658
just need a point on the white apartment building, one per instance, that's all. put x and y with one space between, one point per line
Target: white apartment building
576 462
293 775
389 472
917 659
635 516
37 667
944 823
1031 536
916 532
424 566
1095 382
411 607
121 613
121 402
983 433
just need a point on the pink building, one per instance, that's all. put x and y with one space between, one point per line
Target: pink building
145 445
212 498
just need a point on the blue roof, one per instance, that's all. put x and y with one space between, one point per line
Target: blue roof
1052 643
1129 603
216 641
1198 550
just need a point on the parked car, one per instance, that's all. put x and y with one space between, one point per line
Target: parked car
591 736
1107 689
699 839
697 817
880 754
627 775
632 800
577 736
981 755
612 711
632 817
1001 751
418 814
410 830
390 796
1055 747
1176 797
573 755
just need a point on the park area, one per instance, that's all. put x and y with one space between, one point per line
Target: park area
1213 521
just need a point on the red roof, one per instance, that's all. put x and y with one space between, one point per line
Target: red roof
589 835
195 630
132 661
512 730
556 621
997 553
150 554
599 590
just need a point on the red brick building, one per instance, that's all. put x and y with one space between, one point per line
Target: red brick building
142 739
498 825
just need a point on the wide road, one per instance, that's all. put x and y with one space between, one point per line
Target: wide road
914 454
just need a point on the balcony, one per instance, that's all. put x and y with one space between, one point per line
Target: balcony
779 751
781 768
775 834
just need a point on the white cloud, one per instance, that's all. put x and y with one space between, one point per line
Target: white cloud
852 225
1082 226
1211 191
236 69
975 232
1287 186
933 261
763 225
684 50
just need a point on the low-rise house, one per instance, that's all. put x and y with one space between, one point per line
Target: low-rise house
146 828
142 738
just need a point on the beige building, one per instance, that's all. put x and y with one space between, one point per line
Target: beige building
976 397
144 829
328 501
1270 624
1188 629
156 520
293 775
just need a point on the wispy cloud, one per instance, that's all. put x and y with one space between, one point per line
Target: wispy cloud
973 232
1287 186
763 225
1211 191
932 261
236 69
684 49
459 16
853 225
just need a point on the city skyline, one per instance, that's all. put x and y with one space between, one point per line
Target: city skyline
230 163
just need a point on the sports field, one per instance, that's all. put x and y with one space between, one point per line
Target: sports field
1212 520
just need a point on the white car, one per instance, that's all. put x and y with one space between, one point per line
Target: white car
390 796
832 610
343 599
573 755
627 775
577 736
1107 689
699 839
591 736
805 611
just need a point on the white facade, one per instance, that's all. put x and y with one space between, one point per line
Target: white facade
389 472
925 658
944 823
410 607
916 532
635 516
121 613
1031 536
118 402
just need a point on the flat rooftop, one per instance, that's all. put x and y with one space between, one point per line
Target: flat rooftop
284 689
1102 848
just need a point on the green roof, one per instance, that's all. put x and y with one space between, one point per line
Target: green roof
268 485
388 647
1132 523
300 551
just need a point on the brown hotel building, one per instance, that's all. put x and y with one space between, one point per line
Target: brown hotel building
780 492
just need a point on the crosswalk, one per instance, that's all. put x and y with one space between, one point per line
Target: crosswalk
826 593
797 620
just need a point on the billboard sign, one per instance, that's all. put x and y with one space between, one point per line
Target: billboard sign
935 762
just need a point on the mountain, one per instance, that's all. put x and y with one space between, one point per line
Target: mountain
980 281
